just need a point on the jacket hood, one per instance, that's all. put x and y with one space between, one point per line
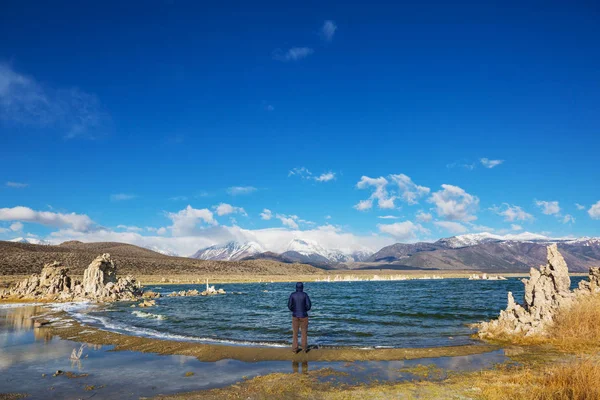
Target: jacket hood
299 287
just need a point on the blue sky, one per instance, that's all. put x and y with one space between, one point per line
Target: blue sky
124 114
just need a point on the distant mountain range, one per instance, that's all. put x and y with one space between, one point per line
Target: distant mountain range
480 251
298 250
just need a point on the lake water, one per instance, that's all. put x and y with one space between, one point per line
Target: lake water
411 313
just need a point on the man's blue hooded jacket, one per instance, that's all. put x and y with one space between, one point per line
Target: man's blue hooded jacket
299 302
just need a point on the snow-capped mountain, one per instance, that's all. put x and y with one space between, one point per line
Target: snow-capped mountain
30 241
527 237
471 239
232 251
166 252
311 248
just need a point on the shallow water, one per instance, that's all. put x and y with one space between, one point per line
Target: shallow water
28 353
413 313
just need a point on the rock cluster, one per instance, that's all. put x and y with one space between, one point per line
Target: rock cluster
100 283
546 291
210 291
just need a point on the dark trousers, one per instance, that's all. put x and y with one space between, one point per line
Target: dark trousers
302 324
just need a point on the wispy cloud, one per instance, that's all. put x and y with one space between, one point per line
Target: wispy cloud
328 30
580 207
16 185
461 164
24 101
568 218
305 173
122 197
293 54
241 190
178 198
486 162
387 217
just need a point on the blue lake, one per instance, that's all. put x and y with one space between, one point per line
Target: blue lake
411 313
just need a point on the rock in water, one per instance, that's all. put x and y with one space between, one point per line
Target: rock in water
98 274
546 291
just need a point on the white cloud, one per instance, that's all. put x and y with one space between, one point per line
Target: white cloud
548 207
568 218
266 214
272 239
516 227
411 192
380 193
16 227
424 217
328 217
288 221
185 222
226 209
579 206
594 211
455 204
328 30
387 217
293 54
78 222
241 190
364 205
406 230
130 228
325 177
452 227
512 213
24 101
490 163
16 185
121 197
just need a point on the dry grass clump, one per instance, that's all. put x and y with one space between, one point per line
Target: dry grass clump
578 327
575 380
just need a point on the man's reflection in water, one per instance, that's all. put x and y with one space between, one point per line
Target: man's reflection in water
295 365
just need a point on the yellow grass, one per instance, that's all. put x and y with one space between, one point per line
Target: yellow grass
578 327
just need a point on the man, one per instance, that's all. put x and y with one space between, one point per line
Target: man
299 304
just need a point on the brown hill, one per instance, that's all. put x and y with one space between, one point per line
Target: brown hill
21 259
